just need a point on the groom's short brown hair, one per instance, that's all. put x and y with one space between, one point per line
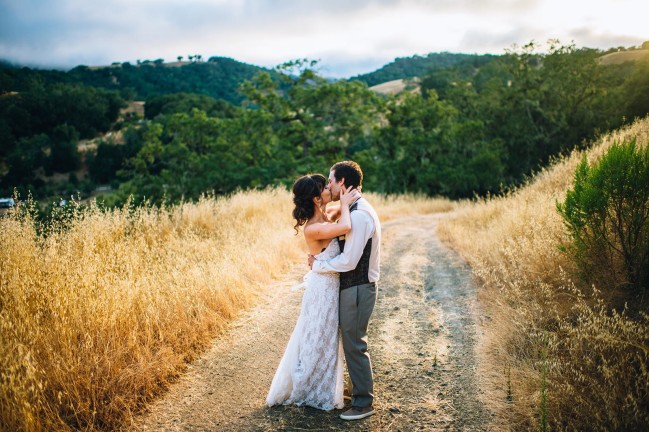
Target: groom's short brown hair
350 171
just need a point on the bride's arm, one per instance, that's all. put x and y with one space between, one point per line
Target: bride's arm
333 212
321 231
328 230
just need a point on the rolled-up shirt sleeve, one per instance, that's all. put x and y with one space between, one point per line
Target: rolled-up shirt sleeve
355 241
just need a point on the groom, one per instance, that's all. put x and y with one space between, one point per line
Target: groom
358 265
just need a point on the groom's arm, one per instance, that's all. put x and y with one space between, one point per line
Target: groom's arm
362 230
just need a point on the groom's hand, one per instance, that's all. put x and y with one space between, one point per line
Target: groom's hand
310 260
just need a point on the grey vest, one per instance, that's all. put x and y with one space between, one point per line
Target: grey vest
359 275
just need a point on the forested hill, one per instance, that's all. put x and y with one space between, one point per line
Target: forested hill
418 66
488 124
219 77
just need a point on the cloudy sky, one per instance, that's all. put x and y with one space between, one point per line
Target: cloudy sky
347 36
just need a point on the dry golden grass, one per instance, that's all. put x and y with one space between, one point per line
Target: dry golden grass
540 322
392 206
397 86
98 317
102 311
624 56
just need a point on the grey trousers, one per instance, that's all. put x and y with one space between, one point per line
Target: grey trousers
356 306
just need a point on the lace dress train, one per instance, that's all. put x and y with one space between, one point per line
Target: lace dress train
311 370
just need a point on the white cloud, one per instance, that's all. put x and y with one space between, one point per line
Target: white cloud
346 35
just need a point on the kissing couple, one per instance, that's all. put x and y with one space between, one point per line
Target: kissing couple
344 255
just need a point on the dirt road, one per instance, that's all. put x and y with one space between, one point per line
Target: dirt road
422 341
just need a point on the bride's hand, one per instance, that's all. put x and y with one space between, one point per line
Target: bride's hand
348 195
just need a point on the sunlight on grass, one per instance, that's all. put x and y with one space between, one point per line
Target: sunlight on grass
538 318
103 309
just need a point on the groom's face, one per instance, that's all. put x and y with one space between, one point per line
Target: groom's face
334 187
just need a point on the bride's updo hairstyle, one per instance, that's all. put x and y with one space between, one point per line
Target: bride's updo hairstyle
304 190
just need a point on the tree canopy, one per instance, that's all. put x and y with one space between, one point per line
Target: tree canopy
475 128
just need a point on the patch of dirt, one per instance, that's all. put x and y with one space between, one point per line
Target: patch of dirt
422 340
397 86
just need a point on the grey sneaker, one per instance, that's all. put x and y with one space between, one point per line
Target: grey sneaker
357 413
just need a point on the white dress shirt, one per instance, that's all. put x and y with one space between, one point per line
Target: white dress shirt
365 225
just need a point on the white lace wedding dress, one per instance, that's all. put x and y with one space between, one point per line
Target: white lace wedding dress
311 370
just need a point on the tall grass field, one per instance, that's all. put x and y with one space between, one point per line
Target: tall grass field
556 353
102 309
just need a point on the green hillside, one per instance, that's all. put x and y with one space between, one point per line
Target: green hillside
418 66
219 77
490 122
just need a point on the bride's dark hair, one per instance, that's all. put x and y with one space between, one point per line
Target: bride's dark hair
304 190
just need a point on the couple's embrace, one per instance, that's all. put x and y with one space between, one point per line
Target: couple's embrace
344 249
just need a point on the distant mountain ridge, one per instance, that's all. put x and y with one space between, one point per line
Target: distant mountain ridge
219 77
418 66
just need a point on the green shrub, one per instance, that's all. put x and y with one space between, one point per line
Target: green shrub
607 215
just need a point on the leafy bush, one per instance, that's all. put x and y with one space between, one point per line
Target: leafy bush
607 215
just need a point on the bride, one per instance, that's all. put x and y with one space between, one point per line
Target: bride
311 370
